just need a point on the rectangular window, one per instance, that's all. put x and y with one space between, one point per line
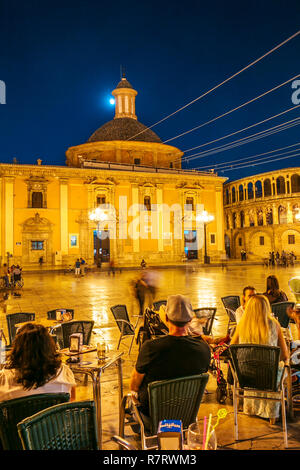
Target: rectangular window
291 239
240 242
137 161
37 245
261 240
190 203
212 238
100 200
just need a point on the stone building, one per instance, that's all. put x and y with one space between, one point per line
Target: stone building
261 214
146 203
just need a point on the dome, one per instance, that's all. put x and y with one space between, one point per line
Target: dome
124 83
123 129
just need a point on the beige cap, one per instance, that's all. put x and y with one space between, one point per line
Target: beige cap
179 308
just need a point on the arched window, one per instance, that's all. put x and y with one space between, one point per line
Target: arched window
258 189
295 183
227 196
242 219
267 188
282 215
241 192
37 199
147 203
296 212
280 185
250 191
233 194
227 222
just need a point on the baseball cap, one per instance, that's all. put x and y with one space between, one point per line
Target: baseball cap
179 308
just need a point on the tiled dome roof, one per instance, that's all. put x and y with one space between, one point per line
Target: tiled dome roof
123 129
124 83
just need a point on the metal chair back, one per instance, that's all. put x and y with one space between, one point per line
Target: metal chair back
14 411
76 326
176 399
13 318
209 314
158 304
231 302
51 315
69 426
121 316
256 366
279 309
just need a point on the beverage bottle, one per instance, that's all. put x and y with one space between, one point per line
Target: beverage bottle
2 348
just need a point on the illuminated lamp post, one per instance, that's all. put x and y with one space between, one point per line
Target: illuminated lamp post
205 218
99 216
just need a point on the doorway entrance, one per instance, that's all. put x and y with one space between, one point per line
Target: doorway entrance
227 246
190 244
101 246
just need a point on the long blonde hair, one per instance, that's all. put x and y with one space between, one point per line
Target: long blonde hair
254 326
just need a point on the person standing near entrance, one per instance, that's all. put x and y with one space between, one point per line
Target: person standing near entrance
82 266
77 268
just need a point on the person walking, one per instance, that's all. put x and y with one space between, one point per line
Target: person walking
82 266
77 268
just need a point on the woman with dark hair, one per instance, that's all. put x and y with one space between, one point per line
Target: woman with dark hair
34 366
273 292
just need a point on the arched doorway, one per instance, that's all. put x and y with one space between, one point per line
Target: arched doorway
227 245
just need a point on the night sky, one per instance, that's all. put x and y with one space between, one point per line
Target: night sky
61 60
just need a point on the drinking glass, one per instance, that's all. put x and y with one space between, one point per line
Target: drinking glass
102 350
195 438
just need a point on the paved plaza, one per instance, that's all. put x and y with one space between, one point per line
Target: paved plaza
92 296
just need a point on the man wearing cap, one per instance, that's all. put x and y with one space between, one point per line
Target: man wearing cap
175 355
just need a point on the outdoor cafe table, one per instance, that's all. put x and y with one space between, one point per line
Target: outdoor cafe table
89 364
43 321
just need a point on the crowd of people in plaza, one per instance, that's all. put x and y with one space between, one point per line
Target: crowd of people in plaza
10 275
286 258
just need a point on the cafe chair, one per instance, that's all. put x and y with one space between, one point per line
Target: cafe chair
255 369
64 330
158 304
68 426
123 444
168 399
279 310
124 324
12 319
231 320
51 315
231 301
13 411
208 314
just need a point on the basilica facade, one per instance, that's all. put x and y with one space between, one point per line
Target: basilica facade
122 196
262 214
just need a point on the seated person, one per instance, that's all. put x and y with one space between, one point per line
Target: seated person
294 313
247 293
171 356
273 292
34 366
194 328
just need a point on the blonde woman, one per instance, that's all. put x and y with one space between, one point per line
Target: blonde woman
257 326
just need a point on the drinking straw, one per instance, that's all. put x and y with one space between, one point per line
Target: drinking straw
208 431
204 432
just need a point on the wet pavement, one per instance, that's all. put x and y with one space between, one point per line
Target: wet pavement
92 296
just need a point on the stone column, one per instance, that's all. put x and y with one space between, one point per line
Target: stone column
289 213
135 200
8 215
275 214
64 229
219 220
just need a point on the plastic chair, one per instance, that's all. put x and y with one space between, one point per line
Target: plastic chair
294 285
279 309
255 368
158 304
231 302
125 326
168 399
13 411
209 313
13 318
51 315
64 330
69 426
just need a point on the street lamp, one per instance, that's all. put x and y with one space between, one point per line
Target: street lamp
297 216
205 218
